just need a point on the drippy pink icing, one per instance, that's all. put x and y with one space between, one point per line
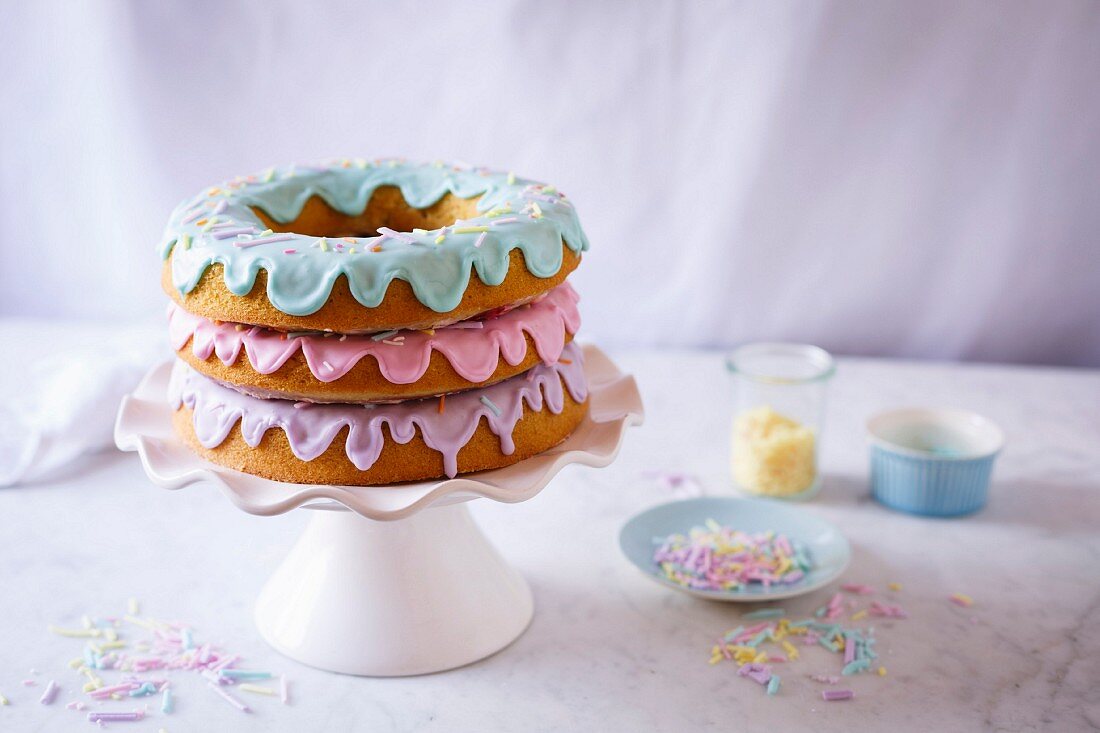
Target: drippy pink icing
473 351
311 428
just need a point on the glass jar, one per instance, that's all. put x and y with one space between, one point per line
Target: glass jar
778 413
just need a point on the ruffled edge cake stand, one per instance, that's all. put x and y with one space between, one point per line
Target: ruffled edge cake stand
376 585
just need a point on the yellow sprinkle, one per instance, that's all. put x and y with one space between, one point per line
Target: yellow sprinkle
882 671
351 250
548 189
185 241
715 660
964 598
511 178
360 163
440 238
89 686
268 175
536 211
205 227
75 663
86 622
111 634
4 700
792 651
76 633
108 645
894 586
859 615
323 244
469 230
761 658
115 696
214 191
258 689
266 232
139 622
428 331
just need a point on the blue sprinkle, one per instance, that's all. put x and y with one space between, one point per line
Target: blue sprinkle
491 405
773 684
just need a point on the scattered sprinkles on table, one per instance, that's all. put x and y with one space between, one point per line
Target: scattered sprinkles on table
754 648
720 558
127 659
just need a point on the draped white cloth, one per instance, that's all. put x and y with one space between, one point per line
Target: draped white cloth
902 178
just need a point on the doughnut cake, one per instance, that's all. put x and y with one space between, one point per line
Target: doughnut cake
372 322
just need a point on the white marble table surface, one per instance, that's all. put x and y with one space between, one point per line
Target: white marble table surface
609 650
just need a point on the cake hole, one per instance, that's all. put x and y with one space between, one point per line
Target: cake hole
387 207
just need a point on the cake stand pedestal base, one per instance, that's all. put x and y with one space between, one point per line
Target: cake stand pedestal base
418 595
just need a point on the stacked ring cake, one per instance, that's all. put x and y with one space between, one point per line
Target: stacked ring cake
372 322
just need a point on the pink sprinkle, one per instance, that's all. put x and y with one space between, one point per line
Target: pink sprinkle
191 217
231 699
387 232
263 240
834 695
858 589
290 251
49 694
505 220
29 683
480 239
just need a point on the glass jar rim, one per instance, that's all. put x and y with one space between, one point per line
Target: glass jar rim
818 359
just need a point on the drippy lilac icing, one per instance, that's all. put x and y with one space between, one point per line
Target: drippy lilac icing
311 428
473 348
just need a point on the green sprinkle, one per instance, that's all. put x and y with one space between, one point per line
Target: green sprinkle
765 613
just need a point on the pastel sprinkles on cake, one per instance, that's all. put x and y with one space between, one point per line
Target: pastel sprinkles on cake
220 225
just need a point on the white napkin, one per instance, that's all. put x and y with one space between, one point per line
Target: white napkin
60 387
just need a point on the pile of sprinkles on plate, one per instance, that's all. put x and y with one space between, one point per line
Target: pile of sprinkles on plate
128 659
719 558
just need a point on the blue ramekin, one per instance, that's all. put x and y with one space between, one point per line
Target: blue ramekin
932 462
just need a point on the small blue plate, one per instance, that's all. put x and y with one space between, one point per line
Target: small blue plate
826 546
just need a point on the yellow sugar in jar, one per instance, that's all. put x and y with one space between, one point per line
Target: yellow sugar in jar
779 405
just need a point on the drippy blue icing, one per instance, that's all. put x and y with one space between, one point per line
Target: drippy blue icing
301 269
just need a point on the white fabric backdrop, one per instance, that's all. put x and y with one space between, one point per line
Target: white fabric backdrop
905 178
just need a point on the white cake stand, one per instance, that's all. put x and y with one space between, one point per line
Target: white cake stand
362 593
